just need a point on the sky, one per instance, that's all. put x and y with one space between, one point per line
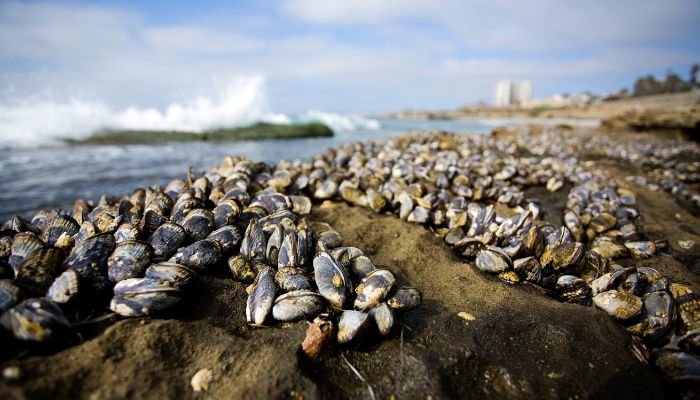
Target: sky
332 55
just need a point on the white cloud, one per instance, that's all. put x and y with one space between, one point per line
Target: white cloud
338 55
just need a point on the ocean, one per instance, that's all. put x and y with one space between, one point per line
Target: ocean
54 175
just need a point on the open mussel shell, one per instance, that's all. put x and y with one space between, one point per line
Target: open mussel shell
143 296
262 297
35 320
352 326
405 298
383 317
493 260
10 294
89 259
129 260
296 305
174 274
39 269
228 237
23 244
618 304
332 279
198 224
64 289
373 289
199 255
59 231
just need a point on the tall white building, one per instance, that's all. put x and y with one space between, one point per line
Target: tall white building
502 93
507 93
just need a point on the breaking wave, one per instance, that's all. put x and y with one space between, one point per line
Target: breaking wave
241 102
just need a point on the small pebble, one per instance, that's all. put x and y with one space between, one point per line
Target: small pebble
200 381
466 316
686 244
12 373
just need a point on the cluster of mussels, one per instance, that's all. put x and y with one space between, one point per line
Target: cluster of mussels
442 181
469 190
139 253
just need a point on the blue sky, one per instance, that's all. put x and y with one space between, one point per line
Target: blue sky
340 56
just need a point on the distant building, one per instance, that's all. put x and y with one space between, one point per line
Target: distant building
508 93
502 93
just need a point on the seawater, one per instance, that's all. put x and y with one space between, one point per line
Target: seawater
53 177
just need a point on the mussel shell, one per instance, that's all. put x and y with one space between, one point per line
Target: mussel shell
352 326
405 298
383 317
563 258
296 305
493 260
126 231
618 304
65 288
228 237
175 275
373 289
166 240
142 296
253 243
198 224
609 247
529 269
10 294
301 204
290 279
23 244
59 231
572 289
150 221
226 212
199 255
35 320
288 255
360 267
129 260
677 365
331 239
241 269
332 279
87 230
89 259
262 297
39 269
660 312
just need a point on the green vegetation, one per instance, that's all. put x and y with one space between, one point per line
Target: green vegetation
537 111
258 131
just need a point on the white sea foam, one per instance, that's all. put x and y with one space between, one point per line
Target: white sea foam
241 102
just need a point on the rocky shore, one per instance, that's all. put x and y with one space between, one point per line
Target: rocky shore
475 335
